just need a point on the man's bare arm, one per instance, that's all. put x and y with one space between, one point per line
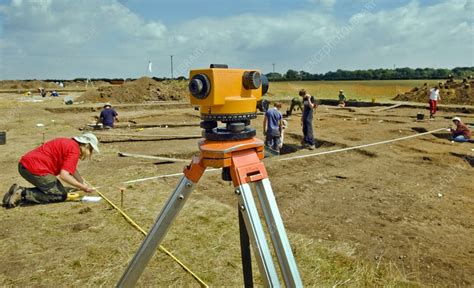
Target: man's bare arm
78 176
71 180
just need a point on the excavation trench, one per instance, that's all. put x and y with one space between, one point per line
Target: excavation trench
293 144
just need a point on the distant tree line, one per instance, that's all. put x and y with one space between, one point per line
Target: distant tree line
374 74
370 74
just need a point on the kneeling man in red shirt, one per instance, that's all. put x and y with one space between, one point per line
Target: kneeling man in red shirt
41 166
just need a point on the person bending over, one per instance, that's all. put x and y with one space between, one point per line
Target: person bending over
43 166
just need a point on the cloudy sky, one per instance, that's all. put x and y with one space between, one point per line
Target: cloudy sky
116 38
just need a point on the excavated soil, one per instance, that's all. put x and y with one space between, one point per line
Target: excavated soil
451 92
141 90
33 85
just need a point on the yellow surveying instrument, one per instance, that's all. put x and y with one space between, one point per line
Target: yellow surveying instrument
229 96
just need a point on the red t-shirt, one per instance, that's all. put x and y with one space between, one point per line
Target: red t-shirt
462 129
52 157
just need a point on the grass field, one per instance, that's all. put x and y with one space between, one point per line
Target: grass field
380 90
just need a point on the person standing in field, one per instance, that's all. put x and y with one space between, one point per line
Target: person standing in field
434 98
342 99
307 119
462 133
108 116
43 166
42 92
272 127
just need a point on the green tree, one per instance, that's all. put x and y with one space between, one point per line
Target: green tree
292 75
274 76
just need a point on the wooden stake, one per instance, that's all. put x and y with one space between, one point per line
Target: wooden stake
122 189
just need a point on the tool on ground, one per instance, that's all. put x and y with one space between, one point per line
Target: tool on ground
87 198
229 96
73 196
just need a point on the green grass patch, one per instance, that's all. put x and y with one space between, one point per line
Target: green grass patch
379 90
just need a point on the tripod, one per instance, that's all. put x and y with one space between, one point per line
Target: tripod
240 161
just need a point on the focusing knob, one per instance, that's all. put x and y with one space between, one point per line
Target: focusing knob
199 86
251 80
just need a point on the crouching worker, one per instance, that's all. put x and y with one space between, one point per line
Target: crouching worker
462 132
42 166
108 116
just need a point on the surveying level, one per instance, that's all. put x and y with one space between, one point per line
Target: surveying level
229 96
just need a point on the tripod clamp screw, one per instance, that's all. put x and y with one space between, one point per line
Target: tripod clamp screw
237 191
242 207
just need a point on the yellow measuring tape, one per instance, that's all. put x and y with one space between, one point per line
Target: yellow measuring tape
134 224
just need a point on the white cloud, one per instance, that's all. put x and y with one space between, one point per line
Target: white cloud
104 38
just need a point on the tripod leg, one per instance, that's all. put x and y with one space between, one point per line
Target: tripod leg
255 230
157 233
245 252
282 247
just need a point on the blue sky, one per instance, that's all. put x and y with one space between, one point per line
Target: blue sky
117 38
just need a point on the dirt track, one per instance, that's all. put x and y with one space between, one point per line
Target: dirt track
407 204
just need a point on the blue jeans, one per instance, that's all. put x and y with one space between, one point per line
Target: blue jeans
273 139
460 138
308 127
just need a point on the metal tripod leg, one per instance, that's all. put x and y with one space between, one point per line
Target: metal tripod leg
157 233
245 252
281 245
257 236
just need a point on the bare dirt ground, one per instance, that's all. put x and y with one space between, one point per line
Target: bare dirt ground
398 214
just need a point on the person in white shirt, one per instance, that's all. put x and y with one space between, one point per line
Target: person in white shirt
434 98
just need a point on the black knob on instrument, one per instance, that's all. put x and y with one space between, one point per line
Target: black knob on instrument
199 86
252 80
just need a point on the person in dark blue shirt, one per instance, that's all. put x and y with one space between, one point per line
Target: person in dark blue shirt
307 119
108 116
272 125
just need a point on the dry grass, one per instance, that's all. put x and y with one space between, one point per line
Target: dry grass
62 245
360 90
71 248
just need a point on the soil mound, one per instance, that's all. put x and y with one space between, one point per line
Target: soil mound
451 92
27 85
33 85
141 90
